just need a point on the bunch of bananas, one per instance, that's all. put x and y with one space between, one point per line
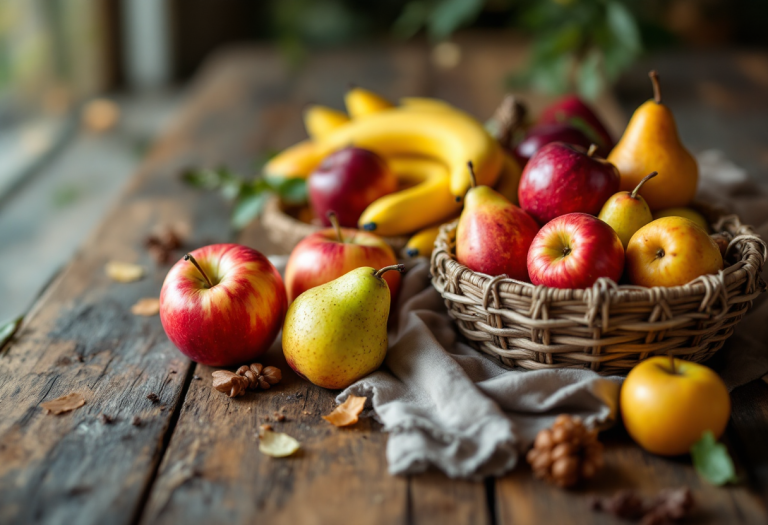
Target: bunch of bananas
427 143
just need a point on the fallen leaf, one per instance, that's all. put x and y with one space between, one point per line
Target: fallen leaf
712 461
346 413
277 444
124 272
63 404
147 307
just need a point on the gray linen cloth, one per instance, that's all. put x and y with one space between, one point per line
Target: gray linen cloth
447 406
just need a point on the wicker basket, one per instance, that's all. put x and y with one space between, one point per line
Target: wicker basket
608 328
286 230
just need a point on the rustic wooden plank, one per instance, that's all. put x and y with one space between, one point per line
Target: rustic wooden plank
81 336
523 499
213 471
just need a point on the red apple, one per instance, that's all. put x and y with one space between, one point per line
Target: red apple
575 112
541 135
346 182
573 251
223 304
328 254
561 178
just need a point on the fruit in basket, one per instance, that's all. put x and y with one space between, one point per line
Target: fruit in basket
671 251
346 182
336 333
626 212
573 251
543 134
362 102
509 179
561 178
297 161
493 234
328 254
688 213
651 143
422 242
321 120
223 304
668 404
573 111
416 207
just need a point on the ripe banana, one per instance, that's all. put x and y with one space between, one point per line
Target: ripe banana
509 179
414 208
422 242
450 136
297 161
361 102
321 120
426 103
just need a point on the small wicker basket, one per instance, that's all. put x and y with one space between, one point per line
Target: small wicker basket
608 328
286 230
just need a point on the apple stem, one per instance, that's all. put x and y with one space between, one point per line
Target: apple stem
399 267
188 257
640 184
656 87
335 223
592 149
472 178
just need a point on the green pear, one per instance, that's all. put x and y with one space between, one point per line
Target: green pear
336 333
626 212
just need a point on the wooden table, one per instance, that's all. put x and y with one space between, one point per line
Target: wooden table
193 456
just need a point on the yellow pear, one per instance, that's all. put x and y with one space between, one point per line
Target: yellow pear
650 143
688 213
336 333
626 212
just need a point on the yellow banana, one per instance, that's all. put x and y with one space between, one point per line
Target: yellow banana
361 102
426 103
414 208
509 179
452 137
297 161
321 120
422 242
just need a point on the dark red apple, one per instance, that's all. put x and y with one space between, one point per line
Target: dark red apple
346 182
561 178
575 112
539 136
574 251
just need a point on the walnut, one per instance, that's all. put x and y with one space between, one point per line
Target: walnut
566 453
229 383
260 376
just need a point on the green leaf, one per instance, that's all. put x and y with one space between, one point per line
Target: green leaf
207 179
411 20
247 207
292 191
9 329
449 15
623 25
712 461
589 78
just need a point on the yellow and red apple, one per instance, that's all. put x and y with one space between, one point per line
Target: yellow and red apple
573 251
667 405
328 254
223 304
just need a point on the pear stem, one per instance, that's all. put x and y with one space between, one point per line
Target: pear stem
472 178
188 257
640 184
656 87
592 149
672 364
335 223
399 267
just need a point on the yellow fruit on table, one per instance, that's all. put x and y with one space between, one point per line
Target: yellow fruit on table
421 244
666 408
321 120
651 143
361 102
626 212
688 213
671 251
509 179
297 161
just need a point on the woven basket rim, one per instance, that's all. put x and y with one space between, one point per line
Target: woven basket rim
753 251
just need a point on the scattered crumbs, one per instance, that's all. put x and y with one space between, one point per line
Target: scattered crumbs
305 412
196 378
279 417
105 419
136 421
264 426
153 397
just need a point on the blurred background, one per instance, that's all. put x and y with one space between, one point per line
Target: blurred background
86 85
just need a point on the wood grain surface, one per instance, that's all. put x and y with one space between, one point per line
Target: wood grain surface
194 458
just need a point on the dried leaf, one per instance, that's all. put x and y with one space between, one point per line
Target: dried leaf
277 444
63 404
346 413
147 307
123 272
